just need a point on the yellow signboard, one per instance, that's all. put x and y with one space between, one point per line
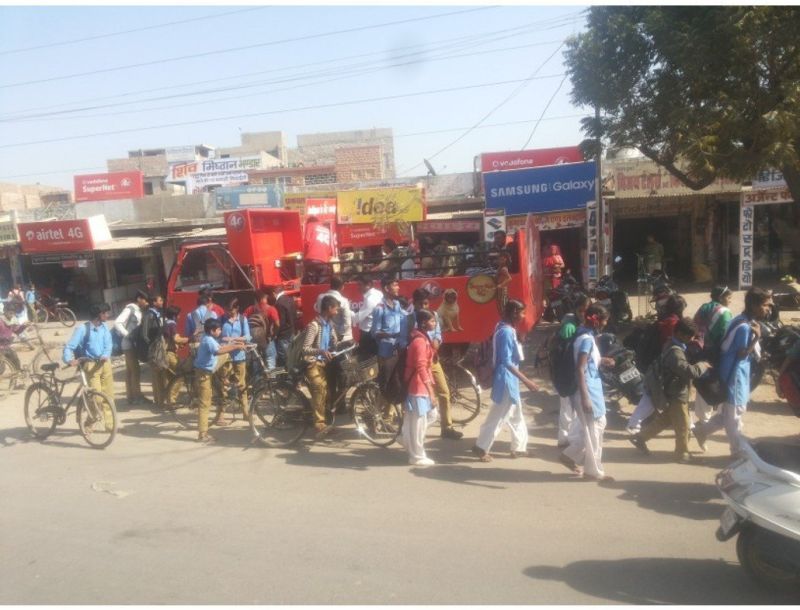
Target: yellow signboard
380 206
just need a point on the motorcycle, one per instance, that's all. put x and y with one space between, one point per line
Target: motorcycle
776 341
613 298
624 379
762 491
561 300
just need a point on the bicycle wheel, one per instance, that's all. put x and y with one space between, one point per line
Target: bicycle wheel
9 373
42 410
66 316
279 415
180 402
97 419
465 395
376 421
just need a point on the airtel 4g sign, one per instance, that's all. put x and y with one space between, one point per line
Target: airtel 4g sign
63 235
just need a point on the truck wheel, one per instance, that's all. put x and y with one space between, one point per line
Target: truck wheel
766 569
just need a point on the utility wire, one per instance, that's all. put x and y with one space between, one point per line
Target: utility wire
132 31
345 75
541 116
470 40
265 113
402 135
507 99
243 48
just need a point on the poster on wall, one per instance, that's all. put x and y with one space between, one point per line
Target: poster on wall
746 221
493 221
591 243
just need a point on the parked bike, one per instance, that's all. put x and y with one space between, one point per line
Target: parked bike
624 379
47 308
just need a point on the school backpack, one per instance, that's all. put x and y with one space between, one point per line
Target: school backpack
260 330
80 351
562 365
116 338
649 347
295 364
143 335
396 388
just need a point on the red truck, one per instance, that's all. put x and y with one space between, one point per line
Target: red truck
264 250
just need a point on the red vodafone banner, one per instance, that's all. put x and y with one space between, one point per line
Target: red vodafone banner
521 159
117 185
63 235
324 209
360 236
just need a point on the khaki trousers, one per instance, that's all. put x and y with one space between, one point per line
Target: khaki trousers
676 415
318 385
442 394
168 376
100 377
133 388
202 394
240 373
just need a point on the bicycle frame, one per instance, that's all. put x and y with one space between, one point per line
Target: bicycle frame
59 386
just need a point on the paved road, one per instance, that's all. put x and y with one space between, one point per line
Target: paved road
157 518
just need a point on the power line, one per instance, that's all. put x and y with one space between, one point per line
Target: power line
473 39
402 135
269 112
550 101
131 31
345 75
508 98
243 48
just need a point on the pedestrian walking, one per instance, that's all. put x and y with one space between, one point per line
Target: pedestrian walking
125 324
208 361
319 341
421 396
585 451
739 349
569 326
506 400
712 320
671 379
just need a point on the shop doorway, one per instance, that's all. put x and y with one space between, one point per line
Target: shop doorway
672 232
570 242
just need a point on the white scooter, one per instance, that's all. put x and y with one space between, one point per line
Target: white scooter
762 489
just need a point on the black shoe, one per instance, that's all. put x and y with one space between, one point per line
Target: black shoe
452 433
637 442
700 437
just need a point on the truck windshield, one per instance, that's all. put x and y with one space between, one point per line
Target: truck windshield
209 267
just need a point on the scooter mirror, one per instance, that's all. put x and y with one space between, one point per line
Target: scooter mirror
617 259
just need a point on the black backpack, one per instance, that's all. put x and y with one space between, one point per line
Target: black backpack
143 335
562 365
396 389
649 347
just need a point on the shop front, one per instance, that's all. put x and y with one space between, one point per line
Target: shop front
564 230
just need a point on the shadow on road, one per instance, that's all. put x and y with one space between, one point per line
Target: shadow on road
492 477
698 501
651 580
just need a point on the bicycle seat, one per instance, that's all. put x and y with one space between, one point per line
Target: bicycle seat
50 366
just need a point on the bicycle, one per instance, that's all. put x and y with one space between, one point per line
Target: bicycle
226 399
280 414
465 392
51 309
44 410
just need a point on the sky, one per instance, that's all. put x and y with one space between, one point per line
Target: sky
67 80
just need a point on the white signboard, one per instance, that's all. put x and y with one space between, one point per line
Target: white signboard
180 154
769 179
746 222
493 221
223 172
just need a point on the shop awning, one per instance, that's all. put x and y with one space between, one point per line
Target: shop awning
129 243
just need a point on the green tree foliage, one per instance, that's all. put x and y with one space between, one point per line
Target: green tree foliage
705 91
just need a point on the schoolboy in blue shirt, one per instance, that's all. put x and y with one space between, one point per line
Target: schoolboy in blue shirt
236 327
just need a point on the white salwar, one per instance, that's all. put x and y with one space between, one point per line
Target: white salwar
642 411
586 447
508 413
566 420
415 426
702 410
728 417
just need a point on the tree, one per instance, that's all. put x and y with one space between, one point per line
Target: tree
705 91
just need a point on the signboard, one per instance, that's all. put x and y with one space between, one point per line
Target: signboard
381 206
521 159
591 242
769 179
223 172
8 233
248 196
645 178
63 235
180 154
297 201
541 189
559 220
767 196
116 185
449 226
323 209
493 221
56 259
362 236
746 223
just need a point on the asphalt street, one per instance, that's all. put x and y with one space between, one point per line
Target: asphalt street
158 518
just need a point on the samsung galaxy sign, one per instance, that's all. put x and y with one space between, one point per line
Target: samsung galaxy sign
541 189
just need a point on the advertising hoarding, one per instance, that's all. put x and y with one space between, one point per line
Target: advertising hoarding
522 159
381 206
115 185
248 196
63 235
542 189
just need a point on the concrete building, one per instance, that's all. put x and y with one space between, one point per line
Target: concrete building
23 197
154 164
320 148
271 142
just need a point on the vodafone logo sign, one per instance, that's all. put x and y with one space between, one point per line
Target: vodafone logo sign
236 222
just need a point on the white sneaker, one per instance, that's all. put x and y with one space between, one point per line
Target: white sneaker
422 462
